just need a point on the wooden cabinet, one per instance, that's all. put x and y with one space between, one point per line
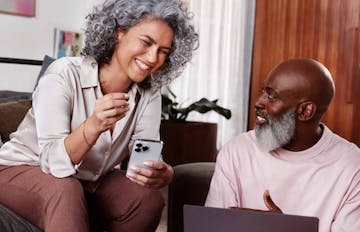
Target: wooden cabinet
325 30
188 142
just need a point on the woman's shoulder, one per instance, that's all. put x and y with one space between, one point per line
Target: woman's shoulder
63 64
65 71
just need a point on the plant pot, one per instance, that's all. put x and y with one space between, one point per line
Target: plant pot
188 142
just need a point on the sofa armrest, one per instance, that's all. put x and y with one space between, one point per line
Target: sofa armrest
11 114
190 185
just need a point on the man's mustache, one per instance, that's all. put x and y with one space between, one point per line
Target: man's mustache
261 114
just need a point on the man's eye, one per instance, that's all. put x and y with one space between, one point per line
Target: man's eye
268 95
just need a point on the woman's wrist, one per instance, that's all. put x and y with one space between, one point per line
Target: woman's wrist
83 131
88 133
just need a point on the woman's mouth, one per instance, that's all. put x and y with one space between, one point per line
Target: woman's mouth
142 65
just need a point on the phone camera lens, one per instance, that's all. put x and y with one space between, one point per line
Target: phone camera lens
137 149
145 148
138 145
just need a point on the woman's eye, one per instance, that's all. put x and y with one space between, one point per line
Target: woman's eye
147 43
165 52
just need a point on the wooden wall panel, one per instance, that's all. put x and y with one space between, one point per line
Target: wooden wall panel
325 30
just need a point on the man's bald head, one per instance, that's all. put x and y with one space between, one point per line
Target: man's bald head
309 79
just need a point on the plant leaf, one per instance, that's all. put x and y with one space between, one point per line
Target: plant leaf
172 111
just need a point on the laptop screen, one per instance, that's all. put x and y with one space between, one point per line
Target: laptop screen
200 218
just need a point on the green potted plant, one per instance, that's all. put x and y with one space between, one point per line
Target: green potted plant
188 141
171 110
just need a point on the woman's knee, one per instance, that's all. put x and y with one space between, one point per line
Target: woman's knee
152 200
137 200
64 185
146 200
65 189
142 213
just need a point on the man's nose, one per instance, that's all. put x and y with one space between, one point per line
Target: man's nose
260 102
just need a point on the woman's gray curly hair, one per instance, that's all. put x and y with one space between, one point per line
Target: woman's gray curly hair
103 21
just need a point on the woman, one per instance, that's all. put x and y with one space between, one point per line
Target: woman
86 114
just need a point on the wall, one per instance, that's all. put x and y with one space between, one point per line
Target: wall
32 38
325 30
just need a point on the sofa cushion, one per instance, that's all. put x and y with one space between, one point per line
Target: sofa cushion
11 114
190 185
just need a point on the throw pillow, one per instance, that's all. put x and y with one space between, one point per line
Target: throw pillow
11 114
45 64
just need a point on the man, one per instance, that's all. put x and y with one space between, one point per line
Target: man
291 155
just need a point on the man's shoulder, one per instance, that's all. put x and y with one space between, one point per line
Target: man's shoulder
341 149
337 142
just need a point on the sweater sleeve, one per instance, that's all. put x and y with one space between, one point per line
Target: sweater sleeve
222 192
347 217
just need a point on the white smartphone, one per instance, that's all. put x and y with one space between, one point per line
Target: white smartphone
143 150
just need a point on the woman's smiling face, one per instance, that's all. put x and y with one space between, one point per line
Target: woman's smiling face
143 49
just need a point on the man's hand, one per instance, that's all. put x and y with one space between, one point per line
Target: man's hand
272 207
270 204
159 175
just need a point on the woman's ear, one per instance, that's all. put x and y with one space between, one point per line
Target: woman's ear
306 110
119 33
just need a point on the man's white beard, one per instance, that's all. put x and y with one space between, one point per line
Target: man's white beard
278 132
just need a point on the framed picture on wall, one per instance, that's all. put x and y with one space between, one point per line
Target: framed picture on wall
18 7
67 43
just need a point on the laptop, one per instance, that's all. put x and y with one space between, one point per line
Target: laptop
208 219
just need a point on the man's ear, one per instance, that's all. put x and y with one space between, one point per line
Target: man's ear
306 110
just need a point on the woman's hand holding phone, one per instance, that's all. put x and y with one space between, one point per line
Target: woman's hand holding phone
145 167
157 177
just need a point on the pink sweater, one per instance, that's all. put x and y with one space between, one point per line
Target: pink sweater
322 181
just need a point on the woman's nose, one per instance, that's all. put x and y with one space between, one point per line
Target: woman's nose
152 54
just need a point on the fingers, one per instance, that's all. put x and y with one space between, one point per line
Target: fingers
145 177
270 203
114 103
110 108
156 176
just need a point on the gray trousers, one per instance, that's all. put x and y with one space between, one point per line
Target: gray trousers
11 222
61 204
